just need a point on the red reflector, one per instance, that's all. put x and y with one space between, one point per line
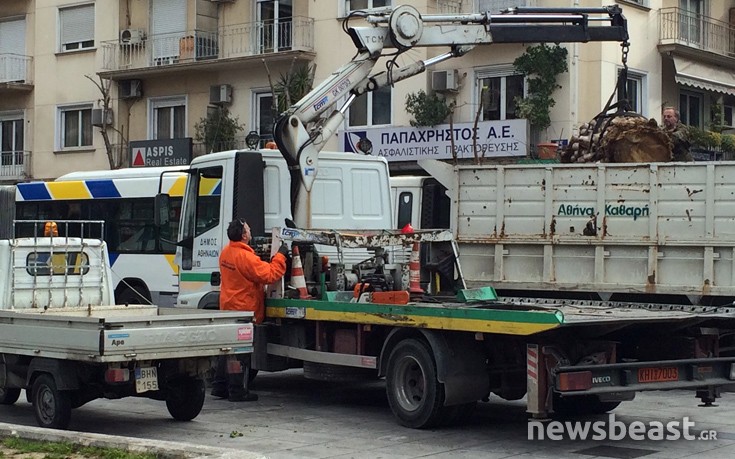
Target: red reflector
116 375
579 380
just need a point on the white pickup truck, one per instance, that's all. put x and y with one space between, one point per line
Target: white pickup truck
64 340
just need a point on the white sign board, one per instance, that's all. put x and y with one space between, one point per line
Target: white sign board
406 143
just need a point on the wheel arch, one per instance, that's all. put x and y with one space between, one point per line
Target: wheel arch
209 301
461 363
130 283
65 374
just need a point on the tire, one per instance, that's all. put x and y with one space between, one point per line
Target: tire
9 396
582 405
52 407
414 394
186 398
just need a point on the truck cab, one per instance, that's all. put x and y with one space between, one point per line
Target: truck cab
350 191
420 201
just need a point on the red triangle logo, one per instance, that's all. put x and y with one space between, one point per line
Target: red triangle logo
138 158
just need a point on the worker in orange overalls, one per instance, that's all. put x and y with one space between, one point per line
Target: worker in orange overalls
243 279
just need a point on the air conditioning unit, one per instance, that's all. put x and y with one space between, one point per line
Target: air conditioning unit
220 94
132 36
444 80
101 117
130 89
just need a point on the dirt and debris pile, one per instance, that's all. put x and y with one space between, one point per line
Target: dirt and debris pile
619 139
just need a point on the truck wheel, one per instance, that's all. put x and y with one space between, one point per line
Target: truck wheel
186 398
51 406
414 394
9 396
582 405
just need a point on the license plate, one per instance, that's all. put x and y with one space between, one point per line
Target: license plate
647 375
146 379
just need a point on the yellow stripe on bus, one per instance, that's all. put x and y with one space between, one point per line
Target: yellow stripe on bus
436 323
207 186
174 266
177 189
68 190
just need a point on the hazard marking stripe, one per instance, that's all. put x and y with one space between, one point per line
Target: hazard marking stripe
532 374
532 353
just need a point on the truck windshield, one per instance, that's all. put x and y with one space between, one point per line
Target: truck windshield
201 210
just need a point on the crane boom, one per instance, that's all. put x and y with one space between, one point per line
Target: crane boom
303 129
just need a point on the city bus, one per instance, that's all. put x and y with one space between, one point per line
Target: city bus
141 255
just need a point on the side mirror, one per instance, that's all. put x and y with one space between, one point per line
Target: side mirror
161 207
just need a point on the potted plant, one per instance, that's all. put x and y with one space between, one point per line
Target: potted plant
428 110
541 64
218 130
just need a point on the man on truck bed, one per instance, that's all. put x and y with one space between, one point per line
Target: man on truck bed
678 134
244 276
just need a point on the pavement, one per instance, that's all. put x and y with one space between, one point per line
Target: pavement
297 418
164 449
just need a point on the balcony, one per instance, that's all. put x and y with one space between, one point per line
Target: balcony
230 45
690 34
15 72
14 165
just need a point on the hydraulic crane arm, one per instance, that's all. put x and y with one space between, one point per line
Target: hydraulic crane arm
302 130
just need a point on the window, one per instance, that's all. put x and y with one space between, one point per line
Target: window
76 27
635 86
264 116
690 108
275 25
372 108
202 210
727 115
690 17
497 89
351 5
76 126
57 264
168 118
11 144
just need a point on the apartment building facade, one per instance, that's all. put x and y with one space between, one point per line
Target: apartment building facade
166 64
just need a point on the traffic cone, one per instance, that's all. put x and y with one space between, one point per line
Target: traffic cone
414 271
297 275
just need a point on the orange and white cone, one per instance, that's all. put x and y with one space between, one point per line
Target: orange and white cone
297 275
414 271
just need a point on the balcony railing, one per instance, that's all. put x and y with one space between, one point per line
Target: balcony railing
240 40
14 165
696 31
15 68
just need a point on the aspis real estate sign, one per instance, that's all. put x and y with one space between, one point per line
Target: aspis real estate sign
163 152
407 143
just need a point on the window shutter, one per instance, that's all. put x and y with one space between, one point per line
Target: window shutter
168 23
13 35
77 24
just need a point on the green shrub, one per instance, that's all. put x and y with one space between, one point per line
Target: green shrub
427 109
